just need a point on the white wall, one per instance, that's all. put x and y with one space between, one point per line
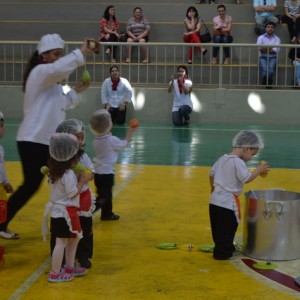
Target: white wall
220 106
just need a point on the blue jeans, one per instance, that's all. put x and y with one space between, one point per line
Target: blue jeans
267 66
183 114
220 39
297 72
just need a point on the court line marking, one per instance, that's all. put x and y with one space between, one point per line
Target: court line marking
44 265
30 280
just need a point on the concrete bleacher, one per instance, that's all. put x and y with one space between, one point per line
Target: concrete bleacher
76 19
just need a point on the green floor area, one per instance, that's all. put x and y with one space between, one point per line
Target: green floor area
155 144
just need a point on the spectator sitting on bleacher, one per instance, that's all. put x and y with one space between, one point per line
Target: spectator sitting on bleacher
192 31
268 55
221 26
294 55
292 18
137 30
264 13
109 26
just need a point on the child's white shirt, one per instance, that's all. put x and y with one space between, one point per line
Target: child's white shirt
106 150
61 193
230 173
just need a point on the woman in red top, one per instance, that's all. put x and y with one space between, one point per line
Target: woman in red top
109 26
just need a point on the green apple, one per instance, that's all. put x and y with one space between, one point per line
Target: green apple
85 77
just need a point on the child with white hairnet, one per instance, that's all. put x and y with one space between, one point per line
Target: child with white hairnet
227 178
63 205
106 147
87 200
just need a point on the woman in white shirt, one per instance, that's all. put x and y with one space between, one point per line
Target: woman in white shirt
44 107
116 93
182 103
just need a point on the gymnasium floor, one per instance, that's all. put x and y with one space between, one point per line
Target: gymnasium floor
161 194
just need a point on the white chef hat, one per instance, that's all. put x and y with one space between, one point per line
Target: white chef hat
49 42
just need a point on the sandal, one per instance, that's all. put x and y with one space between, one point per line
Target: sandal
107 52
214 61
127 60
7 234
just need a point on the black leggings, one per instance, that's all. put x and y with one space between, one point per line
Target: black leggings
293 27
112 38
33 157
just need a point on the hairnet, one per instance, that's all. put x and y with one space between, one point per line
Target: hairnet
247 138
100 121
63 146
72 126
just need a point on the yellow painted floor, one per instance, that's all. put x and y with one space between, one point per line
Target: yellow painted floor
156 204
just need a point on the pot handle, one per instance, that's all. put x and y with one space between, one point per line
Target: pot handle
272 207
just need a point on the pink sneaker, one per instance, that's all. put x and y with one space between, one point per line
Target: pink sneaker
75 271
60 277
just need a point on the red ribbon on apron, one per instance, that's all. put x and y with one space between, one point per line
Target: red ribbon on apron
74 219
85 200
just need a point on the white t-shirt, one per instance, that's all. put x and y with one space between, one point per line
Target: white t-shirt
106 149
230 173
181 98
61 192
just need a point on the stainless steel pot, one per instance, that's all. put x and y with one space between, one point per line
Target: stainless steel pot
272 225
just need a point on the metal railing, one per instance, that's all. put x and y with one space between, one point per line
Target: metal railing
164 58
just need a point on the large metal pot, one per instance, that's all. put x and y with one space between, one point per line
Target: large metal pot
272 225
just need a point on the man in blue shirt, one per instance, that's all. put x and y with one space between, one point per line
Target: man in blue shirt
264 10
268 55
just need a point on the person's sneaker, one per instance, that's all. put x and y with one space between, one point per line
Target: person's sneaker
112 217
76 271
60 277
7 234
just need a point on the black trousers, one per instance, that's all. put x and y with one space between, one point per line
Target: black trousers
112 38
293 27
117 116
33 156
104 185
223 227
